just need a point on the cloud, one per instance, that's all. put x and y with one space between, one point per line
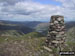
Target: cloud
29 10
68 9
67 3
11 2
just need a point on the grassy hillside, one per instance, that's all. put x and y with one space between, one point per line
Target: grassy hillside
28 46
34 34
71 38
10 33
42 27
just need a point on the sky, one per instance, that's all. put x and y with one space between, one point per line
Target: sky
36 10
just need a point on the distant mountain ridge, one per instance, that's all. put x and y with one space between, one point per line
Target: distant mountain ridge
14 27
29 26
70 24
22 29
43 27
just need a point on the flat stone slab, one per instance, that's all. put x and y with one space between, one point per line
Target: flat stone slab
57 42
48 49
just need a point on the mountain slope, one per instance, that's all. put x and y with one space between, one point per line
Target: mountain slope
30 24
34 34
70 24
14 30
43 27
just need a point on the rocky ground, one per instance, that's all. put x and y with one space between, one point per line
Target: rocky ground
22 46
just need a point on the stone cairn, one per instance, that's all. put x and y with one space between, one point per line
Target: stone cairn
56 34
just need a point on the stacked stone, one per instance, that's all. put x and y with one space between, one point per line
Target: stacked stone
56 33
